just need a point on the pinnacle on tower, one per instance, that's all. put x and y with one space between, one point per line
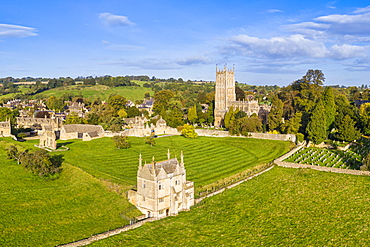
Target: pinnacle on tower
182 159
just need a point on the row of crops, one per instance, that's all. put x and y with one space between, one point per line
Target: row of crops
349 159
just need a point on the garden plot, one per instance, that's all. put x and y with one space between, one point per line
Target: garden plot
350 159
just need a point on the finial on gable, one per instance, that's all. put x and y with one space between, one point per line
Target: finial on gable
182 159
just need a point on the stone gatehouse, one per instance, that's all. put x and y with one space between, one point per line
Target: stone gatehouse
162 188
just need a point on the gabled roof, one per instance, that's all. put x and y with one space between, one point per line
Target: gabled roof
82 128
162 168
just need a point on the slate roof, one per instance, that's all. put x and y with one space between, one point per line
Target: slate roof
83 128
169 166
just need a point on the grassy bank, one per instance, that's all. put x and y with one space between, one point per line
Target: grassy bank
286 207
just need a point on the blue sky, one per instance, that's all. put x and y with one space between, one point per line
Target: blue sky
270 42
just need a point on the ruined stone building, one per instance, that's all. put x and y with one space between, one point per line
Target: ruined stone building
5 129
225 98
48 138
162 188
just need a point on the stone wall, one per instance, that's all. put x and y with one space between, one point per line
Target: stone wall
220 133
109 233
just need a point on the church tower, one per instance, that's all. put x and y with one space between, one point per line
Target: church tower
225 93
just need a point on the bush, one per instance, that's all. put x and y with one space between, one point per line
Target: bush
121 142
188 131
300 137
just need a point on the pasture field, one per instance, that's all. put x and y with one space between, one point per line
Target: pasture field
207 159
132 93
39 212
283 207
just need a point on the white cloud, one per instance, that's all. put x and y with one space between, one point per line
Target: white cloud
272 11
15 31
347 51
115 20
193 61
362 10
278 47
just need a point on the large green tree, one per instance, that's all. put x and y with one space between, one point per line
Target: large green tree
330 108
229 117
346 130
275 117
316 127
192 114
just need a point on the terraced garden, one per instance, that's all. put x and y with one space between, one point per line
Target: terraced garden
349 159
283 207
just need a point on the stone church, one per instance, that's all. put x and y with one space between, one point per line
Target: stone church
162 188
225 98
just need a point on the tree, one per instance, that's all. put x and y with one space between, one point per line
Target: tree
292 125
121 142
229 117
54 103
314 77
239 93
117 102
346 130
275 117
150 140
316 127
162 99
240 114
73 118
330 109
192 114
40 163
366 163
243 126
122 113
188 131
365 117
132 111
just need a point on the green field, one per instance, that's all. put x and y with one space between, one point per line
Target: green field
283 207
132 93
39 212
207 159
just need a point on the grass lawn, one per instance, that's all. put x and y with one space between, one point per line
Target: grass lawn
207 159
39 212
132 93
283 207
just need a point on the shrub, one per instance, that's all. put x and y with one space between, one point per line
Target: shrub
300 137
188 131
121 142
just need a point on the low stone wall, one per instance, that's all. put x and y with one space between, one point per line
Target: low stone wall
280 137
198 200
107 234
212 133
220 133
322 168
